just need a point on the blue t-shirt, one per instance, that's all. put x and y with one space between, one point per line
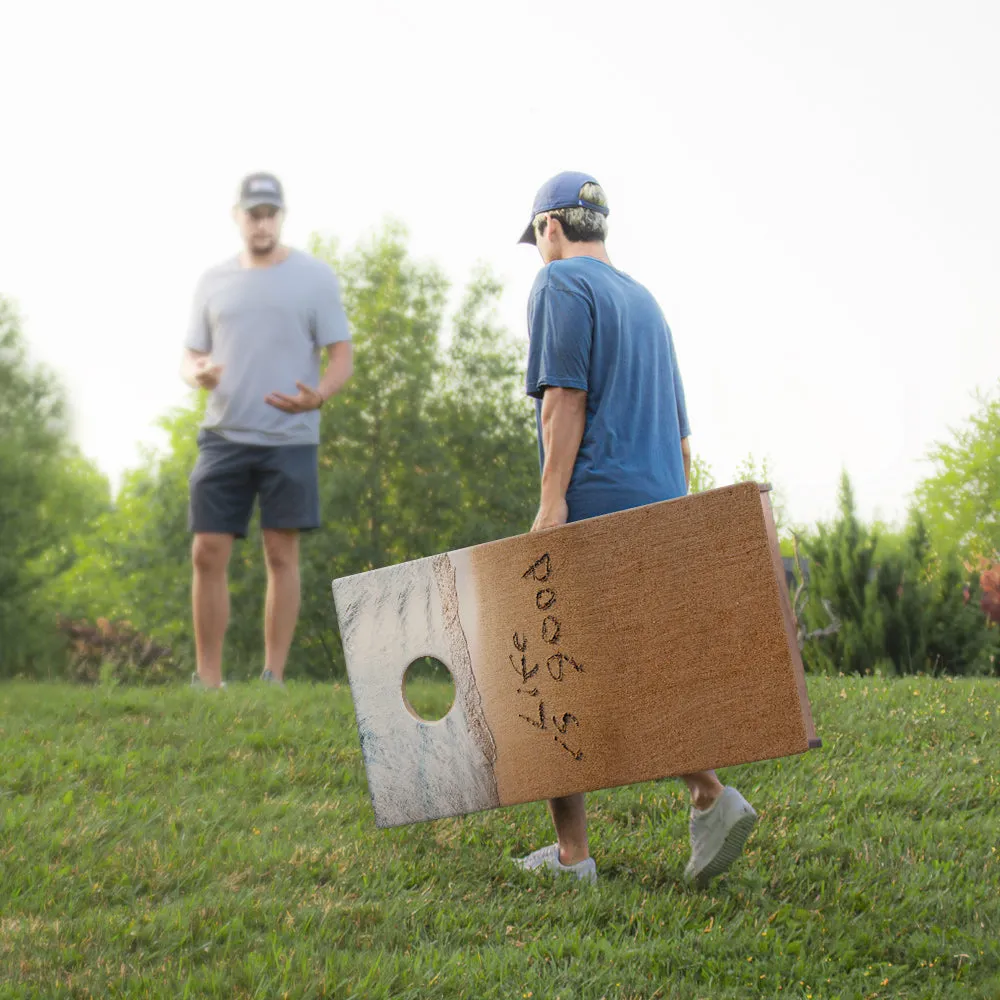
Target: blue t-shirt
595 328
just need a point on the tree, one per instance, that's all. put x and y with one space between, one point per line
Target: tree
490 440
428 449
961 500
900 608
49 493
134 564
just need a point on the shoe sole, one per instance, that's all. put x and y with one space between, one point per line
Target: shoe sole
732 848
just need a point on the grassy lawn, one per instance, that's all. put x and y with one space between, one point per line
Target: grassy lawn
187 844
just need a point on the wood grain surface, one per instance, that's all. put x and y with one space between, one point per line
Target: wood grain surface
639 645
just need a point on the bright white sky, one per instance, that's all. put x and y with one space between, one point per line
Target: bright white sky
810 190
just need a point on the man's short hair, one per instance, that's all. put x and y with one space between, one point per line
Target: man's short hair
579 224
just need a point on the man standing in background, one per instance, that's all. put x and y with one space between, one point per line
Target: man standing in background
259 324
613 434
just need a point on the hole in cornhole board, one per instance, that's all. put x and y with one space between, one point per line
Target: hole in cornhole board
428 689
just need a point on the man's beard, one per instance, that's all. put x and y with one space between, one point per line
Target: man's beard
262 250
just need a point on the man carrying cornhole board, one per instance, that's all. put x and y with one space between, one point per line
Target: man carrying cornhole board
613 434
635 634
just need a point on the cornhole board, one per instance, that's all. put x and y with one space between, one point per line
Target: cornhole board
645 644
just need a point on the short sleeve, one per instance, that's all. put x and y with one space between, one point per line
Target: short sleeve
561 328
330 324
199 332
682 416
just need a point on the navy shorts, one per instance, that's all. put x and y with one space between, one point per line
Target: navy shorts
228 477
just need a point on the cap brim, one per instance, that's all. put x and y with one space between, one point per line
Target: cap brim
528 236
261 200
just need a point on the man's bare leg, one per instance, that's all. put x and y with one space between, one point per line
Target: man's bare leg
210 602
704 787
281 613
569 814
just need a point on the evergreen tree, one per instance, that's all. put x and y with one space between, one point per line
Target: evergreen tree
901 610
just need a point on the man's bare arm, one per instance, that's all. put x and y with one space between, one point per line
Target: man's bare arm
686 454
564 417
339 368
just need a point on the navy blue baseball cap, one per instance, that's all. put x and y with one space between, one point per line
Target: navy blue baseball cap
561 191
261 189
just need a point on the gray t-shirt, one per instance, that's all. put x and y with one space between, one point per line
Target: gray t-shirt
266 326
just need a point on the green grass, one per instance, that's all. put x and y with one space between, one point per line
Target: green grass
188 844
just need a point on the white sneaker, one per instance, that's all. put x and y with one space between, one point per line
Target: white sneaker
548 857
197 682
718 834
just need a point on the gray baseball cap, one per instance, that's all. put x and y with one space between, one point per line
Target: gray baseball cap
261 189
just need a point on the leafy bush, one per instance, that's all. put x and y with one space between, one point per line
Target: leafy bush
117 652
